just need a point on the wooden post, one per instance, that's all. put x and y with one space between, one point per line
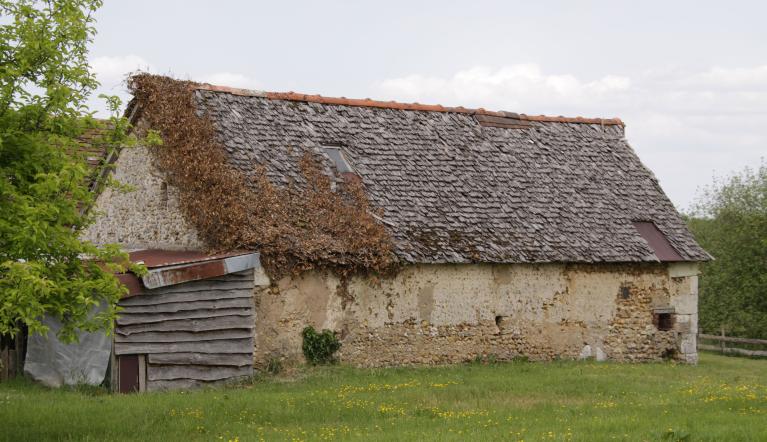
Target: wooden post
4 362
141 373
723 344
21 350
114 373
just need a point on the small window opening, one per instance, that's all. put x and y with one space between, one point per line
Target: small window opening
337 157
625 292
664 321
499 323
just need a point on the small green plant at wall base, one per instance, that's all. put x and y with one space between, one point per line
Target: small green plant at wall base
320 348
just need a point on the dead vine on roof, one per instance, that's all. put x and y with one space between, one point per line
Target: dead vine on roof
295 228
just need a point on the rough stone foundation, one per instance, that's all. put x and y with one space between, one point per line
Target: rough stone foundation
438 314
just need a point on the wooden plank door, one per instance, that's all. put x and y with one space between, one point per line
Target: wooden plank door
128 369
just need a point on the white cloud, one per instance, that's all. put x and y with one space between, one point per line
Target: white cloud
513 87
111 71
733 78
684 125
230 79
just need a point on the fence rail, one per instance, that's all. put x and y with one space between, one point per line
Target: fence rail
732 349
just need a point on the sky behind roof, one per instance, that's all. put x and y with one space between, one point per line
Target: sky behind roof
689 79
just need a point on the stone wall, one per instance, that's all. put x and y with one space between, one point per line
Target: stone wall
435 314
145 217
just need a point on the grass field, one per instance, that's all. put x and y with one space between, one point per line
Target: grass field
723 398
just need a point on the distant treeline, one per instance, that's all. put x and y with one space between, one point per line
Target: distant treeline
729 219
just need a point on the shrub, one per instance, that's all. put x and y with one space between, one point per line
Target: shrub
319 348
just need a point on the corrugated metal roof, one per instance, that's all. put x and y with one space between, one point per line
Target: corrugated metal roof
154 258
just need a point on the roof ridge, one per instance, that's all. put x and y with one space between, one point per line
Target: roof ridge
366 102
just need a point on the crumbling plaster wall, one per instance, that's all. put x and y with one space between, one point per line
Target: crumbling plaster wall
147 215
434 314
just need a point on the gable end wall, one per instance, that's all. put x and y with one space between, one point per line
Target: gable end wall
147 216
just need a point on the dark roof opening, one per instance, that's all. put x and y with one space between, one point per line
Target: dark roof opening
339 160
657 241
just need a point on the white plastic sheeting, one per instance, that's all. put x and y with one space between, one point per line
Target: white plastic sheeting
54 363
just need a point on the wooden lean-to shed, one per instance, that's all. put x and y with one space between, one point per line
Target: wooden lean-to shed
188 322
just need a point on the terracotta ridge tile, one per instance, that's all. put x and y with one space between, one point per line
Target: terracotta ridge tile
366 102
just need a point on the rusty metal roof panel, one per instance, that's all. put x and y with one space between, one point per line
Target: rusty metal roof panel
658 242
154 258
181 267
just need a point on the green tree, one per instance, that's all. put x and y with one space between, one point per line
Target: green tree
44 83
729 220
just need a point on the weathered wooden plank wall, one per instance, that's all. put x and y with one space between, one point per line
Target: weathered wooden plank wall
193 333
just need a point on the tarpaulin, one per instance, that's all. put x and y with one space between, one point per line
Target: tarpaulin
54 363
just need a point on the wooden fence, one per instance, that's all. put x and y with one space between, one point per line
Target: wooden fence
12 351
731 345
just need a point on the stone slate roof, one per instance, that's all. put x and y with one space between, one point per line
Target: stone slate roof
92 149
452 190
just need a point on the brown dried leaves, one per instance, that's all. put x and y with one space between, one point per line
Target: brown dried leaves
295 228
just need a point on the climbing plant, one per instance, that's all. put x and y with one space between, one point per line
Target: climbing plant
296 227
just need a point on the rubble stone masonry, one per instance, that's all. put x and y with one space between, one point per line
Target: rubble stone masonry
438 314
146 215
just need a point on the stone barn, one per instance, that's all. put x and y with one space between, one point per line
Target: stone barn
515 235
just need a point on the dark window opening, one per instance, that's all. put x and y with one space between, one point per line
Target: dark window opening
664 321
339 160
625 292
499 323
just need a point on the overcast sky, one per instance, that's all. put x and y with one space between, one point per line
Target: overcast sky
689 79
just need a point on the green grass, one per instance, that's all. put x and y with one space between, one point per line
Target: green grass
722 398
